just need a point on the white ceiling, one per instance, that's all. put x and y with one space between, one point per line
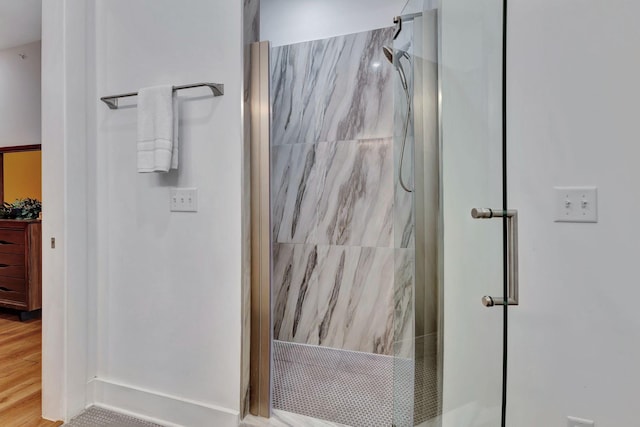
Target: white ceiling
20 22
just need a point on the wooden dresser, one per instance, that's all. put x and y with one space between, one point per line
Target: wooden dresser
21 264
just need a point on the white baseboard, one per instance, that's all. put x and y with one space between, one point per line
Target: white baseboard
159 408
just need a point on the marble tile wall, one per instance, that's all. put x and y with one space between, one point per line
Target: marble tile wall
404 302
337 89
332 196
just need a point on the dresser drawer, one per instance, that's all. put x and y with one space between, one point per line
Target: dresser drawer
12 241
10 260
13 299
12 285
16 270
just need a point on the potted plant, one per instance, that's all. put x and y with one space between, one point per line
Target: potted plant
6 211
21 209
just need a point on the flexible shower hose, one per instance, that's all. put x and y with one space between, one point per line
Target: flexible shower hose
404 142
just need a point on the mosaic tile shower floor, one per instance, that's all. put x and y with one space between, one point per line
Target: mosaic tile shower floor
352 388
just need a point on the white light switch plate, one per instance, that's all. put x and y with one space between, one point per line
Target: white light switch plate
576 204
579 422
184 200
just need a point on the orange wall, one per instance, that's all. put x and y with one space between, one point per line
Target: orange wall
22 175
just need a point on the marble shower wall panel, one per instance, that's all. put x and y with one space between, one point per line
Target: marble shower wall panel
295 186
404 301
334 296
355 297
356 200
335 89
333 193
295 293
403 204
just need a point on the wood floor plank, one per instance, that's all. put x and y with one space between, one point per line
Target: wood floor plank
21 373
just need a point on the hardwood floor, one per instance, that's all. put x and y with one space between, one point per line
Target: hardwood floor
20 372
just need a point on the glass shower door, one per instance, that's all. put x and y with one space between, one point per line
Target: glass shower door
448 345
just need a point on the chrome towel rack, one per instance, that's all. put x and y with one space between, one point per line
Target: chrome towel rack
112 101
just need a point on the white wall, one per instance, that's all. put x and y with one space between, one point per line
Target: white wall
65 191
168 284
54 306
574 90
21 22
292 21
21 100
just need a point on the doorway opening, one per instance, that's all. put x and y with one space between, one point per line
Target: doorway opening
21 215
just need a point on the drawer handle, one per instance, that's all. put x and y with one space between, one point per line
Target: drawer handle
2 288
4 265
4 242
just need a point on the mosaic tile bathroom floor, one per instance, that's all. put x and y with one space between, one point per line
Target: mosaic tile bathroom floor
99 417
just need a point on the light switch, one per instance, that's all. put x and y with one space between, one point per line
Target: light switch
576 204
184 200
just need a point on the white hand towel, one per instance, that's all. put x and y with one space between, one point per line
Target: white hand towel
157 129
176 128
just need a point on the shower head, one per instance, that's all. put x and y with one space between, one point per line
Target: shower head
388 53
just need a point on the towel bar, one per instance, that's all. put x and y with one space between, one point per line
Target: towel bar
112 101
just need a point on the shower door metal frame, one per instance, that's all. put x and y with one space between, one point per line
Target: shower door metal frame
260 353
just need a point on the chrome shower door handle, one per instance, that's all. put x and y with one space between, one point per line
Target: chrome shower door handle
512 253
